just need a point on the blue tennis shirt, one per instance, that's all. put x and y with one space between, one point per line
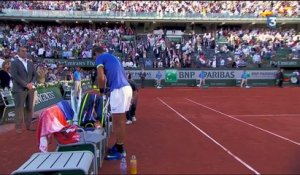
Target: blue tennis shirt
245 75
202 74
113 70
77 76
158 75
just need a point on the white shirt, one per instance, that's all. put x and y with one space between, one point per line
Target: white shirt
41 51
1 62
256 58
222 63
24 61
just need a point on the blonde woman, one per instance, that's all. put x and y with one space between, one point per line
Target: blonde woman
5 78
41 74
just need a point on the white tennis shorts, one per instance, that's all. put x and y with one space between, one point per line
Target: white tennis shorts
120 100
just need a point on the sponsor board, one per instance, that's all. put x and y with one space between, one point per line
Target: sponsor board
47 96
171 76
288 63
209 74
72 63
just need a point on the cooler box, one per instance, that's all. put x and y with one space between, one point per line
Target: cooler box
58 163
94 141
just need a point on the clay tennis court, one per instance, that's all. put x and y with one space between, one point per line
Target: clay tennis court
199 131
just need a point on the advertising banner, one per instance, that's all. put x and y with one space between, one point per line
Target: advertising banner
72 63
169 74
47 96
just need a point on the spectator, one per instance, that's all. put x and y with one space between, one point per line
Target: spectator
51 77
69 76
41 74
5 78
93 77
257 59
129 75
222 63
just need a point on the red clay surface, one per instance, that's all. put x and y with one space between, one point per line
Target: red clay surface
260 126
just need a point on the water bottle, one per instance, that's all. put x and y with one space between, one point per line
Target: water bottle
133 165
123 166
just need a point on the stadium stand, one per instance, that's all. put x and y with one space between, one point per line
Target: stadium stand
152 34
162 50
160 47
256 8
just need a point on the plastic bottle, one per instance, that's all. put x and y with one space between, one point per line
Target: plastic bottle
123 166
133 165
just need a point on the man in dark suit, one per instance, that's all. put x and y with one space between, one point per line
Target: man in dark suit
24 76
142 76
280 78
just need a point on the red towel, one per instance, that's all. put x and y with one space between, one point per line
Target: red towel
51 120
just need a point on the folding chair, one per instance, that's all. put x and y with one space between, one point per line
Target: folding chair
7 98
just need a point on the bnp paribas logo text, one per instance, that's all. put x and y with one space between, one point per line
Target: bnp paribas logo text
171 76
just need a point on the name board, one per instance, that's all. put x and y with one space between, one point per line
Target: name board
173 76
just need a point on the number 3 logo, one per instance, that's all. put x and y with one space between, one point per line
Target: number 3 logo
272 21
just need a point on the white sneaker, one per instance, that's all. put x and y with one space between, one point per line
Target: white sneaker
134 119
128 122
198 85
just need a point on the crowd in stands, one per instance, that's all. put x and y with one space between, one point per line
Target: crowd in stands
53 73
237 8
62 41
259 44
222 48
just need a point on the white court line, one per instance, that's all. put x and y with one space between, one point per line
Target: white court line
212 139
272 133
265 115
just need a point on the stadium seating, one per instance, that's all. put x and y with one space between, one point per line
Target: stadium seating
69 42
166 8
